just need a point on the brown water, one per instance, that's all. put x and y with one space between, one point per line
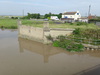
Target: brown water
24 57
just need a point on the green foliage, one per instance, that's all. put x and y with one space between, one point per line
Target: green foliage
59 15
14 17
68 45
96 42
88 36
35 16
56 43
48 18
93 20
77 31
61 38
8 23
88 33
31 22
81 23
50 14
75 47
49 38
71 23
91 33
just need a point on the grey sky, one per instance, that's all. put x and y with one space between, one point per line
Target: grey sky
15 7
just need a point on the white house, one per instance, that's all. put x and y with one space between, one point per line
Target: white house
83 19
71 15
54 18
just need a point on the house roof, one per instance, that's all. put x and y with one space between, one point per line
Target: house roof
91 17
69 13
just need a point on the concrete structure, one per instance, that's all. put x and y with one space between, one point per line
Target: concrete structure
39 34
72 15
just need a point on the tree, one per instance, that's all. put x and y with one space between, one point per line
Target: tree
50 14
60 15
35 16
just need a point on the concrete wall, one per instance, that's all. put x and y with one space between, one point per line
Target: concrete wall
32 33
39 34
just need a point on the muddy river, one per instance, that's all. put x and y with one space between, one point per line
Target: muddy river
24 57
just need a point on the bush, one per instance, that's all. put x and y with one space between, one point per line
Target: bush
56 43
94 20
68 45
49 38
71 23
61 38
75 47
76 31
81 23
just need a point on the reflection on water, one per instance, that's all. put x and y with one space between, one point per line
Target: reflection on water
24 57
48 50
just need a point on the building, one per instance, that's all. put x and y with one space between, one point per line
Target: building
83 19
71 15
54 18
92 17
69 20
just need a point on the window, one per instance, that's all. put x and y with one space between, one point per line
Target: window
66 17
77 13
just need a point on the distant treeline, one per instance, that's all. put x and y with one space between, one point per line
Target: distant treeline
39 16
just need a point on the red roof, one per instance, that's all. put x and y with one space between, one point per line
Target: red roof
69 13
91 17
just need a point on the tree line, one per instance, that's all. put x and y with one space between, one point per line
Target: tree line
39 16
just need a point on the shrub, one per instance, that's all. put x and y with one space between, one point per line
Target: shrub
75 47
49 38
71 23
61 38
56 43
81 23
77 31
68 45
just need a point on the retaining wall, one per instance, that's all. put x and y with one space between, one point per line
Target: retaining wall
39 34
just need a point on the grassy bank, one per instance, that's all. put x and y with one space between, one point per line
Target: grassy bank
33 23
67 44
8 23
59 24
12 24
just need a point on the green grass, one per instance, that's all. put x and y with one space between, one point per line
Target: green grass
53 25
91 26
8 23
32 23
12 24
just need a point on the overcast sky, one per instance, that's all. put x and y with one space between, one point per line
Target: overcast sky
15 7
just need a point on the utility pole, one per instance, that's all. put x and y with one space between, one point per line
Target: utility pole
23 12
89 11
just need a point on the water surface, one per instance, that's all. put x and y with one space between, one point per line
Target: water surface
24 57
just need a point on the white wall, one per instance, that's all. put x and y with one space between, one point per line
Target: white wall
72 16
